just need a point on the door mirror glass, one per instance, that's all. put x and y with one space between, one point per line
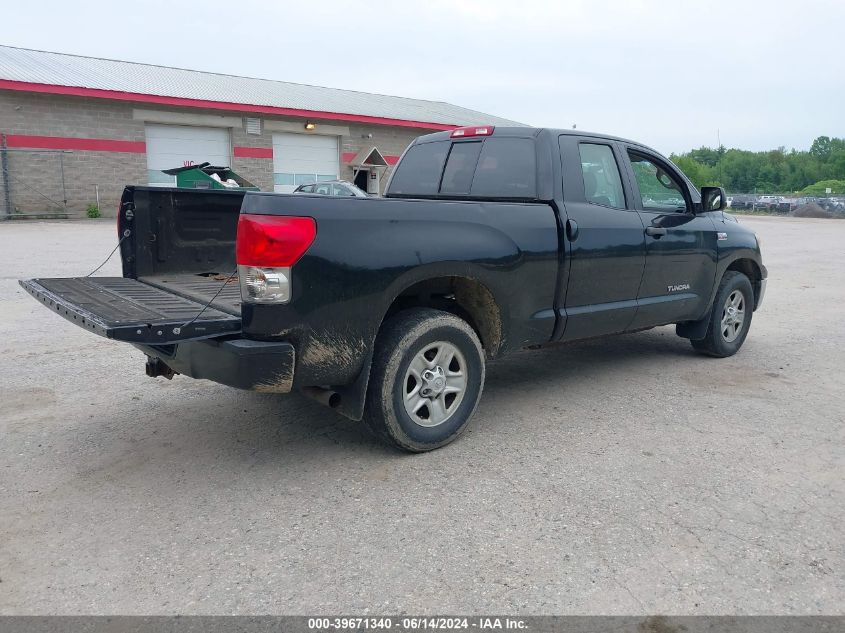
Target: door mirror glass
713 199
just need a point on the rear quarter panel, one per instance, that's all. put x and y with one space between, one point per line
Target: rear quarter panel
368 250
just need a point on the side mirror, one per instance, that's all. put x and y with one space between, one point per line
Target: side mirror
713 199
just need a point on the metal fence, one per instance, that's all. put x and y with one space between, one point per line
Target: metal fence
779 204
32 183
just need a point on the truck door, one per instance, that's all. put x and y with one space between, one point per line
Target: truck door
605 239
681 245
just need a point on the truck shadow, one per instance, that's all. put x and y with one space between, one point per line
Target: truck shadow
205 428
297 424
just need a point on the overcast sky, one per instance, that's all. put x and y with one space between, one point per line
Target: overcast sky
765 73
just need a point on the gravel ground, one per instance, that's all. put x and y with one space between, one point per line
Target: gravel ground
620 476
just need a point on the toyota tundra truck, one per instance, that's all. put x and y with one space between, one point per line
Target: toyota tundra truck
488 240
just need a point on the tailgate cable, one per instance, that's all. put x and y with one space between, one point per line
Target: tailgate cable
178 330
126 234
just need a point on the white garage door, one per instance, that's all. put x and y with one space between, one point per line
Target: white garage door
170 146
299 159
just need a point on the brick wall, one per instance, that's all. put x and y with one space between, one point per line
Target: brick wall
36 180
390 141
37 175
36 183
258 171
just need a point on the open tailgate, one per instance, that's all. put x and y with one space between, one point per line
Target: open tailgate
129 310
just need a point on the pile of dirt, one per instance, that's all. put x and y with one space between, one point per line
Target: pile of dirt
811 210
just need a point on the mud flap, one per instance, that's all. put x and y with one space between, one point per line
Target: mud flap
693 330
353 397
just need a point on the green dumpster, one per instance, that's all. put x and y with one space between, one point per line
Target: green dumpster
207 176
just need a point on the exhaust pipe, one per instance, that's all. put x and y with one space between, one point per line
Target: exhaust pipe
326 397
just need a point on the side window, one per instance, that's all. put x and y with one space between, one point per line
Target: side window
308 189
460 168
323 190
659 190
602 182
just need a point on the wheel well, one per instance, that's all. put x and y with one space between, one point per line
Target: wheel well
464 297
750 269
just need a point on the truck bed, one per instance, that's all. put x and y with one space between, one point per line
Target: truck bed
202 287
182 242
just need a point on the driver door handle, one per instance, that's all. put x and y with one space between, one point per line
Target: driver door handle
655 232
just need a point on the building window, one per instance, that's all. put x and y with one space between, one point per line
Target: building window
289 180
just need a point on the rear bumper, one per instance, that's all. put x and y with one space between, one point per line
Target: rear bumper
241 363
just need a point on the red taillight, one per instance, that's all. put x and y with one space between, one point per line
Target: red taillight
273 240
475 130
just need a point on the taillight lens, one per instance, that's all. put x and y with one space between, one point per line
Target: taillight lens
267 247
273 240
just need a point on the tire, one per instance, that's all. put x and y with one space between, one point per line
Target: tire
421 350
724 336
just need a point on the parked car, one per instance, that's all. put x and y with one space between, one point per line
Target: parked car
765 203
739 202
787 205
388 309
834 205
339 188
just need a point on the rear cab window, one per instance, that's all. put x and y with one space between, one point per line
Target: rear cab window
507 168
419 171
493 167
460 168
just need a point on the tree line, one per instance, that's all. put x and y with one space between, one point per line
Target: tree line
776 171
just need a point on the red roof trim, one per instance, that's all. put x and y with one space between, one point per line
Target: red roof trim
85 144
116 95
135 147
253 152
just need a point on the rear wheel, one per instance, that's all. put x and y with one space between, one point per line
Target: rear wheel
426 381
730 317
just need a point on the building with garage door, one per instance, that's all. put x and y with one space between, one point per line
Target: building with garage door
77 129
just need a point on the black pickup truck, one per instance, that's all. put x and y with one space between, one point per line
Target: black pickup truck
386 309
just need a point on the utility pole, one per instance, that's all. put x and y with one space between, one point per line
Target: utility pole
7 185
719 154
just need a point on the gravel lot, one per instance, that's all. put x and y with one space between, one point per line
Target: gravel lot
619 476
